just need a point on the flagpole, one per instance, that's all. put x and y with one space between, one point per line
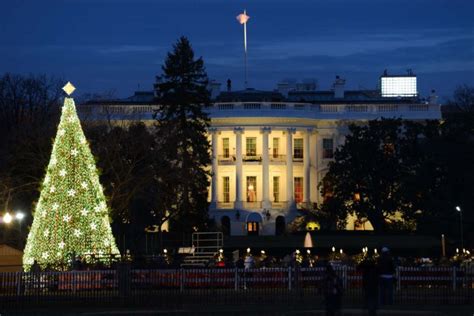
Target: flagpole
245 49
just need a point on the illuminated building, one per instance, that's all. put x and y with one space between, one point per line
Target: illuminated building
270 149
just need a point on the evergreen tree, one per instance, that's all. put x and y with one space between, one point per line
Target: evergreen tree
71 216
181 131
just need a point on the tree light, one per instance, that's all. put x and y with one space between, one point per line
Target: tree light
19 216
7 218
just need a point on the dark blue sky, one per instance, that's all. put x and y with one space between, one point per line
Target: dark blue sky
102 45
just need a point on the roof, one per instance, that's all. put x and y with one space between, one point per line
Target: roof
249 95
350 96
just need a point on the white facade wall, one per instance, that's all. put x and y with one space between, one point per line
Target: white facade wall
310 122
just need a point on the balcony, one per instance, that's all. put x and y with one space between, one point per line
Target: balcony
252 158
225 205
279 205
277 158
226 159
298 159
252 205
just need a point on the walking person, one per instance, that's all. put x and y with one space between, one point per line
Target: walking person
370 284
332 289
386 269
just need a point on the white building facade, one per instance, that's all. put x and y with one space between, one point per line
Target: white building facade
269 152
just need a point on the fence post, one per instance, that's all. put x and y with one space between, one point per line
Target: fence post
19 278
236 279
397 275
454 278
289 278
181 280
344 277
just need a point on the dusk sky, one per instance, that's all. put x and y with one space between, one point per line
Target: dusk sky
120 45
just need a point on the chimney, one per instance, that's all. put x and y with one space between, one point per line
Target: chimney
433 99
229 85
339 88
215 88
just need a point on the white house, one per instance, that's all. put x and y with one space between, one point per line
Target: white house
270 149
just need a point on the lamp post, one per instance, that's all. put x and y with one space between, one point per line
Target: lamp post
458 208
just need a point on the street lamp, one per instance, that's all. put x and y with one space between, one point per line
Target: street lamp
458 208
7 218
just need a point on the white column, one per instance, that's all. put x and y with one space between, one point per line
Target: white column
214 190
238 131
307 169
265 171
289 169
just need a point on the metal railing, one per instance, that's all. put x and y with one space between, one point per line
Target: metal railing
178 287
252 205
225 205
279 158
252 158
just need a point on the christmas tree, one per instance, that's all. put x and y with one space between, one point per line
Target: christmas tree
71 216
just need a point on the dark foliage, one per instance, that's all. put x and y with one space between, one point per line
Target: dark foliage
181 134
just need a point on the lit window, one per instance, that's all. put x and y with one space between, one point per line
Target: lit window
251 146
252 227
225 147
298 148
328 148
298 189
226 189
276 147
251 189
276 189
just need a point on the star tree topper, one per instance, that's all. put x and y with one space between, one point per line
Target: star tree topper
69 88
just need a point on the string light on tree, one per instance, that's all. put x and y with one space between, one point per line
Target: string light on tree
71 187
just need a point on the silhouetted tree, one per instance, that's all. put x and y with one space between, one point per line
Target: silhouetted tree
376 174
182 94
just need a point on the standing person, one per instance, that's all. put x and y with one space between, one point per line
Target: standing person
386 270
370 284
332 289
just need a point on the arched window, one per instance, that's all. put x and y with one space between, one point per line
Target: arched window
225 225
280 225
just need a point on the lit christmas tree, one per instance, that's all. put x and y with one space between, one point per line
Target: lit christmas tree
71 217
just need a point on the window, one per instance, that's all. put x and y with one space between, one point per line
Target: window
252 228
226 189
298 148
251 146
298 189
276 189
276 147
251 189
328 151
225 147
